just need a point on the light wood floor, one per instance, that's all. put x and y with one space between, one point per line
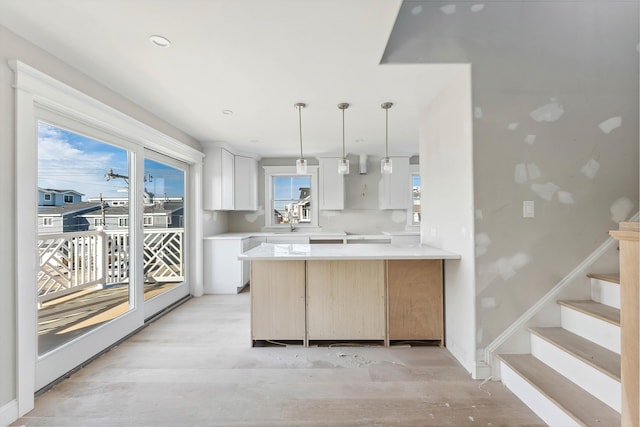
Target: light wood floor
195 367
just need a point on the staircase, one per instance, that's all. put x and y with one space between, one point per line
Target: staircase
572 376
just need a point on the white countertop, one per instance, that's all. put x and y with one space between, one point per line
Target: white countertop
246 235
269 251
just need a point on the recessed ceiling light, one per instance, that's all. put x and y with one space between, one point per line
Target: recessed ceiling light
227 112
160 41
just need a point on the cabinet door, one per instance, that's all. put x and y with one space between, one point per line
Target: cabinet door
222 269
245 184
277 300
415 299
395 188
331 185
227 175
217 185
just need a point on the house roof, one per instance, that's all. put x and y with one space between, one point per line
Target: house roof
53 190
68 209
165 208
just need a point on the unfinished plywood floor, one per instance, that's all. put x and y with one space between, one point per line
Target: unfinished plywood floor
195 367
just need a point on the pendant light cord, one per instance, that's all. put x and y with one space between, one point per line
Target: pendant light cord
386 132
300 123
343 134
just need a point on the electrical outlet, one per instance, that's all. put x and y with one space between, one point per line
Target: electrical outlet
528 210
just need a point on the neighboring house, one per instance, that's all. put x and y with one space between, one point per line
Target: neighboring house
158 215
53 197
65 219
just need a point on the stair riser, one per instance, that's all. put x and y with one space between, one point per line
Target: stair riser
600 332
605 292
548 411
592 380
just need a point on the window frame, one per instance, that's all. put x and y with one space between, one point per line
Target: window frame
46 197
147 220
272 171
47 219
69 197
411 225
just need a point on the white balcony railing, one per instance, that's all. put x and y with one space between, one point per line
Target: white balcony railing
70 262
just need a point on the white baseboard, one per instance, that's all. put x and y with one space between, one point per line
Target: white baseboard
9 413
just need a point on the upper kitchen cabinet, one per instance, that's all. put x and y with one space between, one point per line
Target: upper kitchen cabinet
331 185
245 183
230 181
395 188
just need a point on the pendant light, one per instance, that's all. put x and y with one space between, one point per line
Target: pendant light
301 163
386 166
343 164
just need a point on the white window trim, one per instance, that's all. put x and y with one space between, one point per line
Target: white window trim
413 170
147 220
69 197
271 171
47 197
48 219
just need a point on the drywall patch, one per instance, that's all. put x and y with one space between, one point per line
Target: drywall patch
545 191
520 174
530 139
550 112
399 216
477 7
590 169
253 217
479 214
610 124
488 302
533 170
565 197
513 126
449 9
508 266
620 209
477 113
482 244
523 172
416 10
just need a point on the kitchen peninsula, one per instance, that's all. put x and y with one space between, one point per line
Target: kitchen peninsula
307 294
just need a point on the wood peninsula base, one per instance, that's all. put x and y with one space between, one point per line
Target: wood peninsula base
336 293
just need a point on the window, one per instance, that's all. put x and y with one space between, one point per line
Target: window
290 198
123 222
47 221
414 214
68 198
47 197
97 222
147 220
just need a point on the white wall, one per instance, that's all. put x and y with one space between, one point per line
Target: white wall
446 171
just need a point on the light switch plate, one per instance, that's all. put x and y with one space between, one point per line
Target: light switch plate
528 210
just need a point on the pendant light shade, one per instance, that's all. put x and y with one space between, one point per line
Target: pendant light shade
301 163
386 166
343 164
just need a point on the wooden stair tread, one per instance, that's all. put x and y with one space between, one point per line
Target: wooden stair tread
607 277
605 360
595 309
575 401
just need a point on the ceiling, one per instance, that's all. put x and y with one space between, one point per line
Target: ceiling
253 57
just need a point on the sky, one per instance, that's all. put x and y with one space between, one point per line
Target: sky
69 161
286 189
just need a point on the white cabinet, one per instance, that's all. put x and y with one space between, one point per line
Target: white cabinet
331 189
394 190
224 273
230 182
218 174
245 184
